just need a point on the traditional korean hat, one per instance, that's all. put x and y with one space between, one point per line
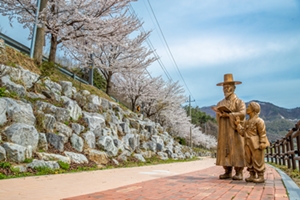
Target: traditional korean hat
228 78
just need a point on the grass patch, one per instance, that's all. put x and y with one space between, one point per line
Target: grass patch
7 170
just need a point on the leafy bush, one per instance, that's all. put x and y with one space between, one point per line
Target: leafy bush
63 165
28 160
181 141
2 91
5 165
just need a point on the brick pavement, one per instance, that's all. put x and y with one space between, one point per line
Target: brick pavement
203 184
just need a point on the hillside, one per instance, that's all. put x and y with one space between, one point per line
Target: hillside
269 111
48 120
278 120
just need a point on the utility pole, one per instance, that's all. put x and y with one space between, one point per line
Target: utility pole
190 114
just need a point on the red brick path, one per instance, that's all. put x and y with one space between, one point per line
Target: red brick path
198 185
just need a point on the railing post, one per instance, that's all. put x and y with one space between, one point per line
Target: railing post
283 151
288 148
271 149
279 152
298 149
275 152
267 153
292 149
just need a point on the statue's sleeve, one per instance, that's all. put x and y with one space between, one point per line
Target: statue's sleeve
261 131
240 110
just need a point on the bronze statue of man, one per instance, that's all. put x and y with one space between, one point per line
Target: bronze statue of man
230 147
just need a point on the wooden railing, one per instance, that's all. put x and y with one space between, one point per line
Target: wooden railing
287 150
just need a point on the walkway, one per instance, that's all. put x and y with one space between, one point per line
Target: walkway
203 184
176 181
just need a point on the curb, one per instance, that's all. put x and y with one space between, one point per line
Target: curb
292 188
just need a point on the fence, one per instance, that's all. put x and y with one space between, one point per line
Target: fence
287 150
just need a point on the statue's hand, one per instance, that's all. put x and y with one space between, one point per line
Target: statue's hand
237 121
262 146
224 114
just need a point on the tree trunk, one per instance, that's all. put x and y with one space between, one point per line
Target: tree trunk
53 48
39 38
108 84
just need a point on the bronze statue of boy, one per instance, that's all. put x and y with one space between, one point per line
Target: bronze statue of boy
230 146
254 132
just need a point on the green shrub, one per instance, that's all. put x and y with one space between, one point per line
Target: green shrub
2 91
5 165
28 160
63 165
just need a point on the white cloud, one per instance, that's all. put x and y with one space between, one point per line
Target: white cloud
215 50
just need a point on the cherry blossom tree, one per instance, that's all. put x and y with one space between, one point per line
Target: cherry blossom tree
66 21
135 86
126 57
169 96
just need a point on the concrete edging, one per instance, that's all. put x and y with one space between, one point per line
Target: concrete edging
291 187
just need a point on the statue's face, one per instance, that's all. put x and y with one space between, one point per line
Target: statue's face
228 89
249 109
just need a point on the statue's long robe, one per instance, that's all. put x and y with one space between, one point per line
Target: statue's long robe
230 147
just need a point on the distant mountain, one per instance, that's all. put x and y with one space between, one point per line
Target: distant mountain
269 112
278 120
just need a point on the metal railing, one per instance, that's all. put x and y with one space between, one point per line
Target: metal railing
24 49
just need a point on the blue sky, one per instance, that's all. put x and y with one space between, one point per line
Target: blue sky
257 41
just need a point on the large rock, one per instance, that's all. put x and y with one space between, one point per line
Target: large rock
22 134
106 105
67 88
150 145
25 76
2 154
3 107
76 157
93 103
48 121
159 142
89 140
131 141
57 141
106 143
77 142
14 152
33 95
53 157
125 127
94 120
99 157
19 111
41 163
81 98
139 157
73 108
61 114
163 155
13 87
43 144
53 86
63 129
77 128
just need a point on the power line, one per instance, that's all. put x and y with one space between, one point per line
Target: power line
152 47
169 48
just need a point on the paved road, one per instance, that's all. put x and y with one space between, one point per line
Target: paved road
179 181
